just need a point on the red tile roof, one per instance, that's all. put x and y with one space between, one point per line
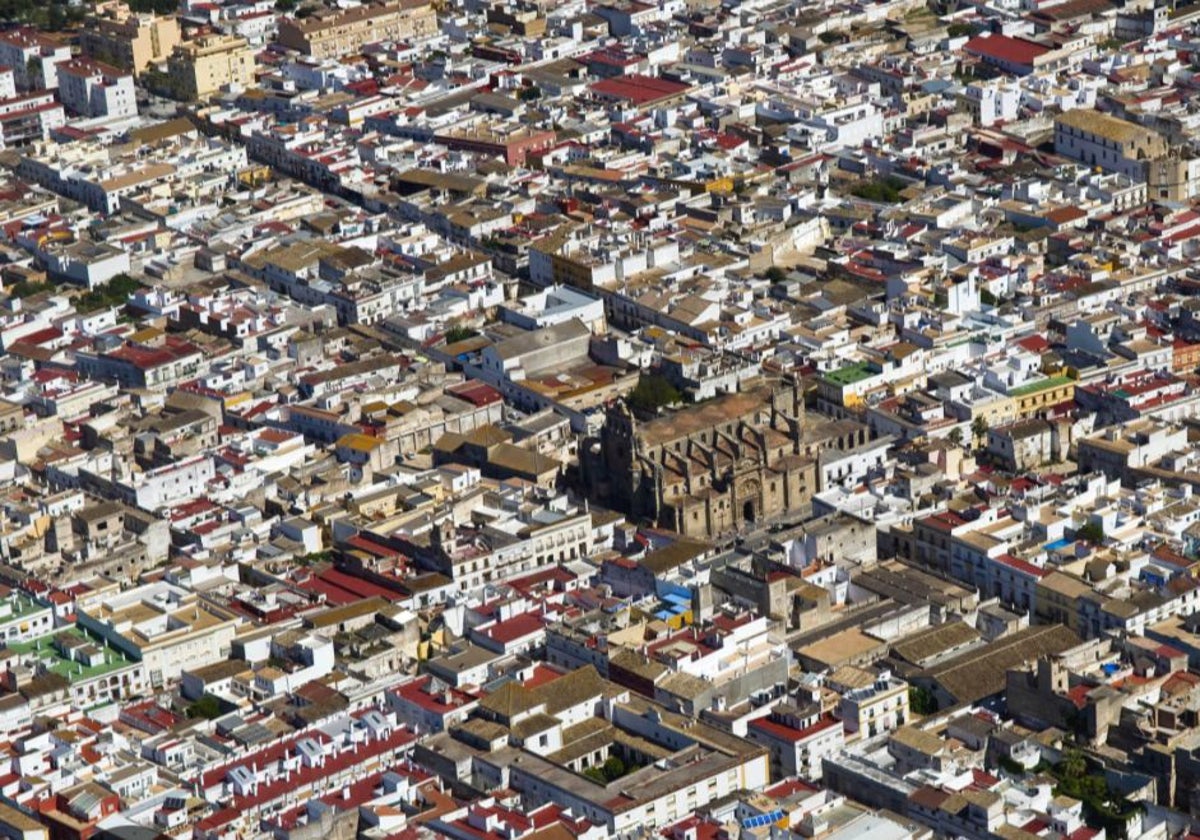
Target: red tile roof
639 89
786 733
1004 48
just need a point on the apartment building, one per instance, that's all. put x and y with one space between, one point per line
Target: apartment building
203 67
342 32
93 89
33 57
131 42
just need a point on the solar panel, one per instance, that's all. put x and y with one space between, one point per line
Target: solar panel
760 820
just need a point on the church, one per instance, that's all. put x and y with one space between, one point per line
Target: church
713 468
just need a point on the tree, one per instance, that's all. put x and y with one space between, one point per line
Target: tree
921 700
33 73
1092 532
1073 765
881 191
459 333
775 274
207 707
530 94
652 393
25 288
57 18
979 428
955 436
614 768
115 292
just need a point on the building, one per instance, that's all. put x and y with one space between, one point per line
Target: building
429 705
989 103
209 64
1113 144
1018 56
1023 445
705 469
512 143
1173 178
72 668
33 57
165 627
340 32
799 739
92 89
132 42
29 117
879 707
23 618
143 365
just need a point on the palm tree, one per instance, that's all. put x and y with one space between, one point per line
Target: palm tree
979 429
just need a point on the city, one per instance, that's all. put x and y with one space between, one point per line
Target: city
685 419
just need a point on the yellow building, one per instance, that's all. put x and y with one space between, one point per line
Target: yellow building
203 67
337 32
1042 395
131 41
1057 599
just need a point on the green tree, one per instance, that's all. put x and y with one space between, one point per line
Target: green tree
207 707
775 274
880 190
921 700
1073 765
115 292
56 18
459 333
26 289
1092 532
652 393
955 436
979 428
614 768
530 94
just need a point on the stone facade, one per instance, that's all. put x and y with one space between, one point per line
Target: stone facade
707 469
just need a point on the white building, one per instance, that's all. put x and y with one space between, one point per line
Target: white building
92 89
799 739
164 626
29 117
879 707
992 102
555 305
33 58
89 264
